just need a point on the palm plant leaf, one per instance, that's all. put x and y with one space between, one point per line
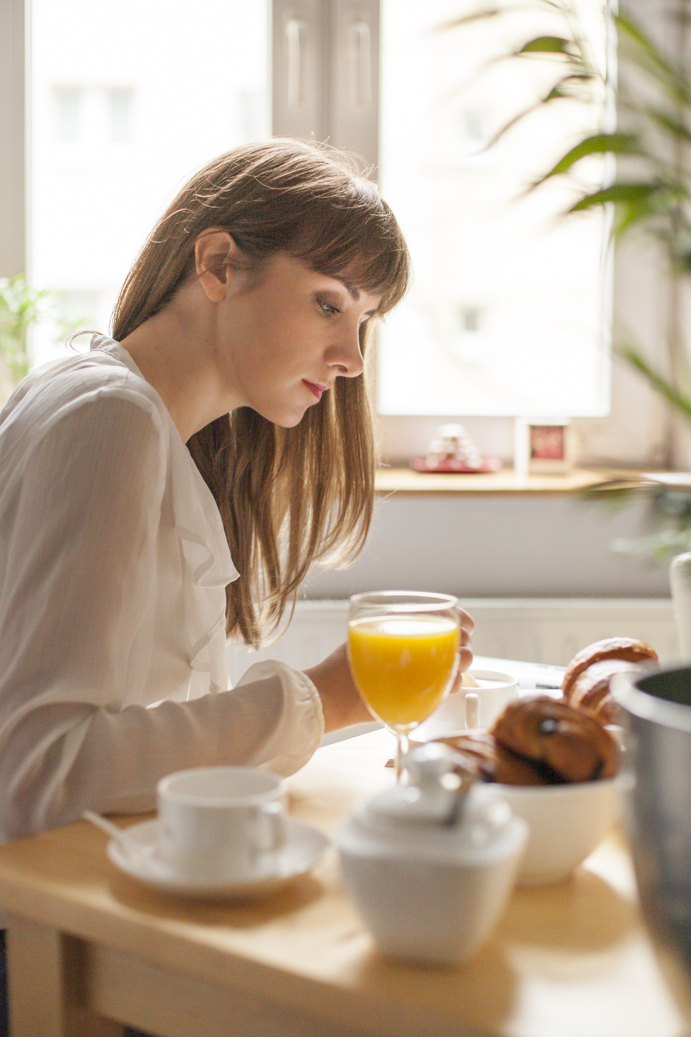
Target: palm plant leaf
598 144
547 45
647 56
671 124
678 399
560 91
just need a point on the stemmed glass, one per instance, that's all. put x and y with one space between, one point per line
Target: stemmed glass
403 653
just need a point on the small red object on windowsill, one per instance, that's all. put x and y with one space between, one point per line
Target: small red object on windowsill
452 450
425 464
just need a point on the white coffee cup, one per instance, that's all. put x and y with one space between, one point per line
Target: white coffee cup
221 823
471 707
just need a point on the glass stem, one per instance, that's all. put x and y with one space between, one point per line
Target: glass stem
402 746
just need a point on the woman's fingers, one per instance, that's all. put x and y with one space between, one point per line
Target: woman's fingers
465 654
466 659
467 621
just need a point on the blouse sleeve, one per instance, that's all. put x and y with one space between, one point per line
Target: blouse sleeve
77 536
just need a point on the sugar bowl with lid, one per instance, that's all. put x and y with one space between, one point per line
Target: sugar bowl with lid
430 865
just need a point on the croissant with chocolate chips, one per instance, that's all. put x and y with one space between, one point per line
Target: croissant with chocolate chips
494 762
541 741
565 743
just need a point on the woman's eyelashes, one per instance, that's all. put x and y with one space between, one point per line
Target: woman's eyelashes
327 307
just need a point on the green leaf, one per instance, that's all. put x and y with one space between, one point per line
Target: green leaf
598 144
674 396
555 93
636 203
626 194
468 19
683 260
20 306
674 126
651 59
547 45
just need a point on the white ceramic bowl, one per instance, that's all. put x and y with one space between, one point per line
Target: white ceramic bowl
566 823
495 692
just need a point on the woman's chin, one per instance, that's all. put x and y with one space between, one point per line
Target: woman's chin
285 418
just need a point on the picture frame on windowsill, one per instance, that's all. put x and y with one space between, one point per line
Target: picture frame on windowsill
543 446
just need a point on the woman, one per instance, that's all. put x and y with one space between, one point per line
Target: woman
174 485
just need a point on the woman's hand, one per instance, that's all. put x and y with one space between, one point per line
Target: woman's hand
465 654
340 699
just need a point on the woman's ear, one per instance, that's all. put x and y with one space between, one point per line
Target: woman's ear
213 253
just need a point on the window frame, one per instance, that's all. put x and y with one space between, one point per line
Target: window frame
14 35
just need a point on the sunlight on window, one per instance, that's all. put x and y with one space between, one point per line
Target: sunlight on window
128 99
508 313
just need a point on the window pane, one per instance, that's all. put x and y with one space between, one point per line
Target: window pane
128 99
508 313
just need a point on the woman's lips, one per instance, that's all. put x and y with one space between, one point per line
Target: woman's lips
315 388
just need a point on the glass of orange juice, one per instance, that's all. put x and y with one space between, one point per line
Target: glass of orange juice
403 654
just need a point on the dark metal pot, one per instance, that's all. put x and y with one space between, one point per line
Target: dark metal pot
657 709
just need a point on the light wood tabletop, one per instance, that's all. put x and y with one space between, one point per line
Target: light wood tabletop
88 944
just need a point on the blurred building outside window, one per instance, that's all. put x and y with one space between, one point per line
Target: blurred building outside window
128 100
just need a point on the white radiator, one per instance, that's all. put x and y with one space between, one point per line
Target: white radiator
541 630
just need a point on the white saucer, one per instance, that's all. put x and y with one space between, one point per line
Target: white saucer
302 849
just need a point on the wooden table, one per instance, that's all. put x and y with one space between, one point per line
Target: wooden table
87 945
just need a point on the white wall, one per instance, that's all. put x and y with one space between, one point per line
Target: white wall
482 545
548 631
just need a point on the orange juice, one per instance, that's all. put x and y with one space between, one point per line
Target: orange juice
402 665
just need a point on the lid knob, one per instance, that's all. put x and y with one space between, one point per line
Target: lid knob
439 779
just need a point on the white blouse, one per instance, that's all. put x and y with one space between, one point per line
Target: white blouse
113 567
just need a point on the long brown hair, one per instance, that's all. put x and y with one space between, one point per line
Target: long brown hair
287 497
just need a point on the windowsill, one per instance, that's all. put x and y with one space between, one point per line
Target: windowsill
406 480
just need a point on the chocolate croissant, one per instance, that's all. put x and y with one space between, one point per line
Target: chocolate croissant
493 762
565 743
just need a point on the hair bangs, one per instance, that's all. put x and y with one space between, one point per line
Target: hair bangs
361 243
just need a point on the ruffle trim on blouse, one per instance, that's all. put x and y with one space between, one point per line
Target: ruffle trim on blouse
209 566
203 546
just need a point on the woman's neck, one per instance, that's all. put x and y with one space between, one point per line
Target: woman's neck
172 350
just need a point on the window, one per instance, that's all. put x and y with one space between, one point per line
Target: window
119 109
507 312
126 115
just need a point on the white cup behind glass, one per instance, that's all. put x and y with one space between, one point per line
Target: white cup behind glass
221 823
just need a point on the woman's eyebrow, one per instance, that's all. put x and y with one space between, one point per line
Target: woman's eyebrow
353 291
355 294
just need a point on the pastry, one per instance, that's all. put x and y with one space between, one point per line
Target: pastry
627 649
569 744
512 769
494 762
478 748
591 689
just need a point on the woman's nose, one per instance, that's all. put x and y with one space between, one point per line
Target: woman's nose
346 357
